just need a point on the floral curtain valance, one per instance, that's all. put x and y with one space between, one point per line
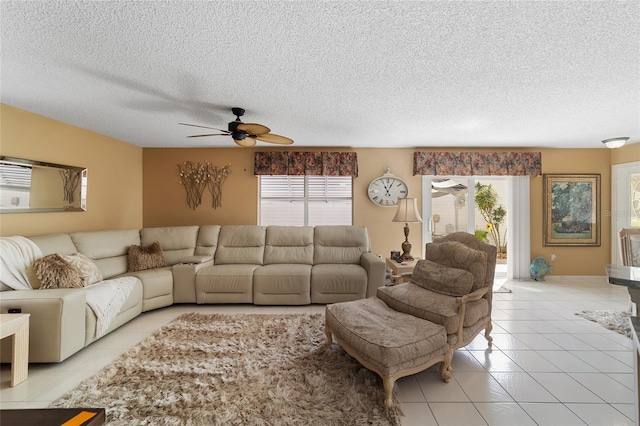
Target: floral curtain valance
306 163
477 163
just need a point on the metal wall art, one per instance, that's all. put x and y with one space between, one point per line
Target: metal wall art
196 177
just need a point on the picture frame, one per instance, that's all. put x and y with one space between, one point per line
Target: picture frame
571 210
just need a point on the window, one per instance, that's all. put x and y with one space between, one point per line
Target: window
306 200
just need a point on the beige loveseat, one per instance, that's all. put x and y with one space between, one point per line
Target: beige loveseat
283 265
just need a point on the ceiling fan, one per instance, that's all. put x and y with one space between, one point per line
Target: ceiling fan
244 134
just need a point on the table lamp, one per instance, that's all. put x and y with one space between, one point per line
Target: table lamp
407 212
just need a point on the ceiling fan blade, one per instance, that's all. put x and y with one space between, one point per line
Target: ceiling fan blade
271 138
246 142
205 127
253 128
211 134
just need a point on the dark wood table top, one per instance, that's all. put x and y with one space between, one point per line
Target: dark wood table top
53 417
628 276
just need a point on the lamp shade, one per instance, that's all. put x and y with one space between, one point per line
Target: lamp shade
615 142
407 211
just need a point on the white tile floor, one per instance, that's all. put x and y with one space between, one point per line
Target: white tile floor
547 366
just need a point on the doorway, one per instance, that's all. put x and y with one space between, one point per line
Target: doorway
449 206
625 203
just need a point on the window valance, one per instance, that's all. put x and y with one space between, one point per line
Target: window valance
477 163
306 163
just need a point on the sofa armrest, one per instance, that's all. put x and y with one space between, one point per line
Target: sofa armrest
56 324
199 258
376 271
184 280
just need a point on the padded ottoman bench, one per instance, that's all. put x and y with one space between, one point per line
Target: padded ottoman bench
388 342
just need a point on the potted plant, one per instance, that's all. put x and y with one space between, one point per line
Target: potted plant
486 199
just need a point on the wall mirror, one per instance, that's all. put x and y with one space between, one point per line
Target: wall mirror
28 186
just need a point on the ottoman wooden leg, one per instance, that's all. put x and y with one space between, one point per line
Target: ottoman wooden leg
388 383
327 332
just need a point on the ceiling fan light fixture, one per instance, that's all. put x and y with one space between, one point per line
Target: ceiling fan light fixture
613 143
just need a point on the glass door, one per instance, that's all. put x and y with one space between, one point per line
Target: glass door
473 204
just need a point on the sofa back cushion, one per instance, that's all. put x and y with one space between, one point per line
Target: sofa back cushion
458 255
241 244
207 241
289 244
108 249
55 243
339 244
177 242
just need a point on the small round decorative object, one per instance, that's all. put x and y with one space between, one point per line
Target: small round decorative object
539 268
387 189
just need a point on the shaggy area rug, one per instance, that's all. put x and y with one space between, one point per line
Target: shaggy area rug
612 320
217 369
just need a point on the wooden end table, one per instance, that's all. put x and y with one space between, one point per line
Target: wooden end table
401 271
17 326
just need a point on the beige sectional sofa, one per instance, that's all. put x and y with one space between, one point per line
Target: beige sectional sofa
276 265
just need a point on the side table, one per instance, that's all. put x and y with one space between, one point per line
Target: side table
17 326
53 417
400 271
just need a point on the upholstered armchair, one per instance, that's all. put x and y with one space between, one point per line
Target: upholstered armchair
451 287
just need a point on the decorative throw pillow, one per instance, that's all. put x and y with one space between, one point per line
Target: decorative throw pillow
54 271
442 279
89 272
458 255
33 278
141 258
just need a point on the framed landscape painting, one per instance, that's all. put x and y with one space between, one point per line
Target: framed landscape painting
571 210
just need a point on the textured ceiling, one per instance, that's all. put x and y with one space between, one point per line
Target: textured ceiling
355 74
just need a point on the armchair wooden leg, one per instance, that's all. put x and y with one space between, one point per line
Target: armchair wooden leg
445 366
487 331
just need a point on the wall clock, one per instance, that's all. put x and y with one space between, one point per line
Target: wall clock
387 189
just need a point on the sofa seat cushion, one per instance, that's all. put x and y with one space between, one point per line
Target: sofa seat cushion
363 325
432 306
331 281
131 308
225 283
157 287
282 284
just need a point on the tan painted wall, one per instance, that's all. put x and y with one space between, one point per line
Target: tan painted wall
627 154
165 199
114 194
165 204
130 187
573 260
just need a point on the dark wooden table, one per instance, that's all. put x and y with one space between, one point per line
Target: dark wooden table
629 276
53 417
